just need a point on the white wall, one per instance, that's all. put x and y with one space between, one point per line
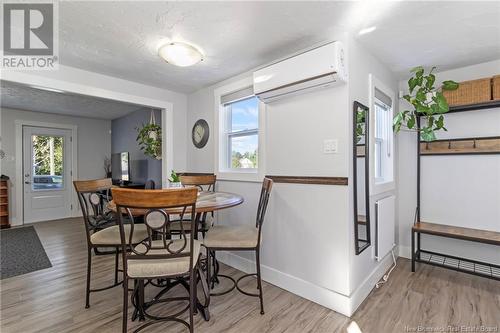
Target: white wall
316 218
365 270
94 143
455 190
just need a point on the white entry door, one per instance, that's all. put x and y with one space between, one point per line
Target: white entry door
47 168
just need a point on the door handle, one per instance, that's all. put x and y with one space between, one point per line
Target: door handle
27 182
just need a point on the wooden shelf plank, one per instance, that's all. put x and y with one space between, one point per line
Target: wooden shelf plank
477 235
473 107
484 145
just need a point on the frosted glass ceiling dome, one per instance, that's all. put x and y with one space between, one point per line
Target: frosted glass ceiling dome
180 54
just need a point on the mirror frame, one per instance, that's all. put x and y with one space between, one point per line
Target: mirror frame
357 105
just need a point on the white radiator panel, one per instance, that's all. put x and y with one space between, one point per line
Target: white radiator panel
385 226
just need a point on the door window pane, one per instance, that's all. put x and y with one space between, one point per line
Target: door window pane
48 168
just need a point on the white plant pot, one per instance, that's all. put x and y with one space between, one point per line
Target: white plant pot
174 184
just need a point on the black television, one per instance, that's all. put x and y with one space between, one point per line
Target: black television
120 167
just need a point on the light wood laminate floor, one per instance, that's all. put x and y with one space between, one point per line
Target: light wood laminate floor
52 300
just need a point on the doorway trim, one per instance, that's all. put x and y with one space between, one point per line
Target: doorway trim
121 93
19 202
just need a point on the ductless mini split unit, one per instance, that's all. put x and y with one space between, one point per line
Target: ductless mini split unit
320 67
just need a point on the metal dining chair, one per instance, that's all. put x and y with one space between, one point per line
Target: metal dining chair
100 225
160 257
239 238
203 183
150 184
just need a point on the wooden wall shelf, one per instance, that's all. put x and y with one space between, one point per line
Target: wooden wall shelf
463 146
474 107
360 150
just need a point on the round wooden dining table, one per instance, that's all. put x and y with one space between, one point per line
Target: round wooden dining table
207 202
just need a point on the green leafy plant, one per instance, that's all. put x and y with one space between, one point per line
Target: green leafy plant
174 177
149 140
428 103
360 124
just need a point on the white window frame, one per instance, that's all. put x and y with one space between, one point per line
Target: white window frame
383 140
378 185
221 137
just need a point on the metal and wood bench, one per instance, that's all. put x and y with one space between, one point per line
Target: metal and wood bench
447 261
488 146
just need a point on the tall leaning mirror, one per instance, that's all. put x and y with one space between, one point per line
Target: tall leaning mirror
360 177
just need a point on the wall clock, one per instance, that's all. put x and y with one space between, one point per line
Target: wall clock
200 133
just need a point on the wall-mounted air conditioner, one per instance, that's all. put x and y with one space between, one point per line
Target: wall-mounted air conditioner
320 67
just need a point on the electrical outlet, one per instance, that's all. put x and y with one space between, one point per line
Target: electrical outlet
330 146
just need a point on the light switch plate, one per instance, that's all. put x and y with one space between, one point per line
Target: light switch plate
330 146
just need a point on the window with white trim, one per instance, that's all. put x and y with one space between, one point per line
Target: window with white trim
383 137
240 131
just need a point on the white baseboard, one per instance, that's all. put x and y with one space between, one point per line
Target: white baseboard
405 252
325 297
13 222
362 292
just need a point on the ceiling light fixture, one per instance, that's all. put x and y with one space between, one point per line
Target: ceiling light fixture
366 30
180 54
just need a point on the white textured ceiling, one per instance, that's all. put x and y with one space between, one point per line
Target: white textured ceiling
121 38
23 97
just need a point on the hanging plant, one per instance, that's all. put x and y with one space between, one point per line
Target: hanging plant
428 103
149 138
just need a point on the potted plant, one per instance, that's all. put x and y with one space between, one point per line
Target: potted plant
149 138
174 180
427 102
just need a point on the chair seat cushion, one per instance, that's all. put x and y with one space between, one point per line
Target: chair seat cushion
186 225
111 235
176 226
221 236
150 268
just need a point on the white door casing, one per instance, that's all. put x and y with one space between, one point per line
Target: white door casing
47 189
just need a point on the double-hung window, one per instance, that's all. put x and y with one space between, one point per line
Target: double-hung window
239 148
383 137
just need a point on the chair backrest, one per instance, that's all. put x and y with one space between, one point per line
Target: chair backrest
199 181
265 192
157 206
93 196
150 184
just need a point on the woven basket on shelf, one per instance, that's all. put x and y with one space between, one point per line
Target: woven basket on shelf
496 87
469 92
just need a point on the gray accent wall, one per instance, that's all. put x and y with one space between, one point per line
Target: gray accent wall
123 135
